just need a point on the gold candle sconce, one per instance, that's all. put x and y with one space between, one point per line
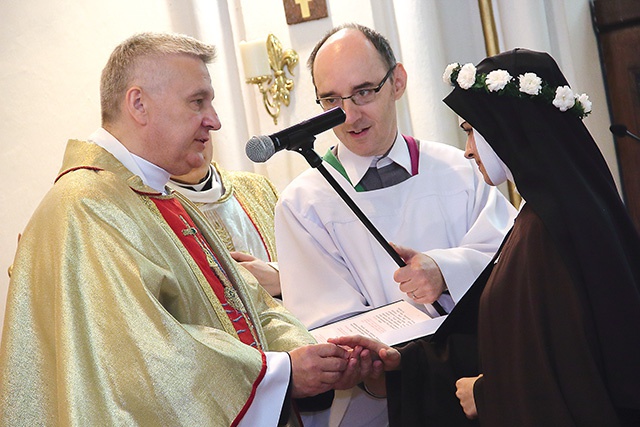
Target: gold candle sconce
264 65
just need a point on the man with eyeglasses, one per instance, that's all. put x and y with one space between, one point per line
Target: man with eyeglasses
423 196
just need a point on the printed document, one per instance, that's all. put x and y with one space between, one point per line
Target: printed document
391 324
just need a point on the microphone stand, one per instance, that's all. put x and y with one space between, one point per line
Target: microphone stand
305 147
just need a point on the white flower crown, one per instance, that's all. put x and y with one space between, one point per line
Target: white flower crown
528 85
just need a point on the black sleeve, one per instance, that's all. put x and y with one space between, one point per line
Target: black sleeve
315 403
424 388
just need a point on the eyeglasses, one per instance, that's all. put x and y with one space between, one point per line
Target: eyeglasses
359 97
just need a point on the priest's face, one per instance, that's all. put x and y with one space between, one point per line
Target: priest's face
346 63
179 113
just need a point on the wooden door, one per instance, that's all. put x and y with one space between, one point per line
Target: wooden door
617 25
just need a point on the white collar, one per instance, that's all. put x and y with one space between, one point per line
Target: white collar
356 166
152 175
196 194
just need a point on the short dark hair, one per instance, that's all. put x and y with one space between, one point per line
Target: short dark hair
379 41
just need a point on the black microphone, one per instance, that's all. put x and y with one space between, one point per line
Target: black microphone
621 130
260 148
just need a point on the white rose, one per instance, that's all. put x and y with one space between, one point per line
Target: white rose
530 83
497 80
565 98
584 101
467 76
446 77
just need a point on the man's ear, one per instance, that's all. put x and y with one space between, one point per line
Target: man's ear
135 105
399 80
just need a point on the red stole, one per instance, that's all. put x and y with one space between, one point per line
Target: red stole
197 246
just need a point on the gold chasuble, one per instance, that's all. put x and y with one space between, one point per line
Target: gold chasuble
111 321
177 218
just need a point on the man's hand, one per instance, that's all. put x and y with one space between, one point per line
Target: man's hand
317 368
464 393
421 278
267 276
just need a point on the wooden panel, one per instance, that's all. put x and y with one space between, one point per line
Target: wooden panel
620 55
609 13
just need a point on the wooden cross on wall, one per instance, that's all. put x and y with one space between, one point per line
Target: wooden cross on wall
298 11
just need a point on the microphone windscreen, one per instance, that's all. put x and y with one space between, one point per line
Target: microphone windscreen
260 148
618 130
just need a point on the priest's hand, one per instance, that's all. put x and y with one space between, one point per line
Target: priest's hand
265 274
316 368
421 279
464 393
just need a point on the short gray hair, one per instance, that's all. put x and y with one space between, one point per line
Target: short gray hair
118 73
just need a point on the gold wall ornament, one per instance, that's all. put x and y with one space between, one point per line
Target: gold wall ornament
264 65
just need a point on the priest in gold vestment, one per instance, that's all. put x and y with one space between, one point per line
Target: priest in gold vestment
124 308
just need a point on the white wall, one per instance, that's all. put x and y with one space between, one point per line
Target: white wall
52 52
